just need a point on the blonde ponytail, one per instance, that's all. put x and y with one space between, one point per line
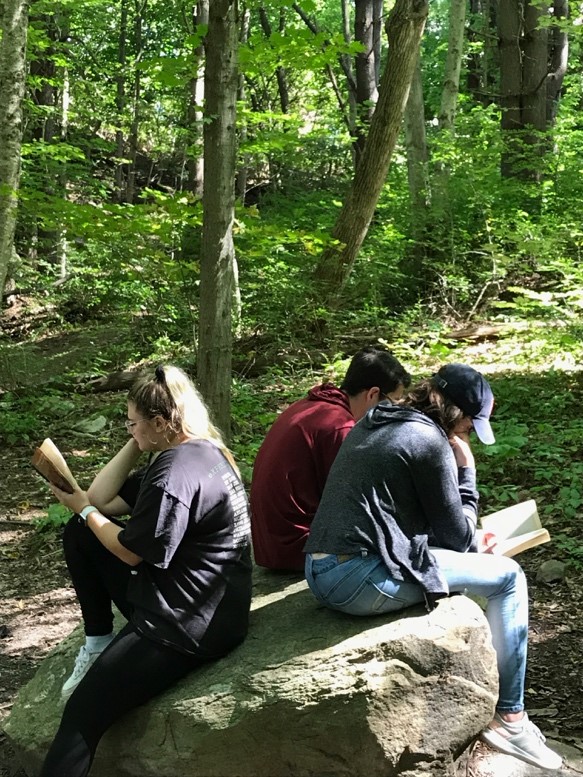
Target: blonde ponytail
172 395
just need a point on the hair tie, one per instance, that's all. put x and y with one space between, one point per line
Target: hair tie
159 374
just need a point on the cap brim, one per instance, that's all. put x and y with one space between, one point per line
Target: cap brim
484 431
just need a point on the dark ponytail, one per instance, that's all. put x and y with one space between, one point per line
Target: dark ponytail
428 399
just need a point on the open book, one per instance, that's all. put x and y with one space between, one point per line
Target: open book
49 462
517 528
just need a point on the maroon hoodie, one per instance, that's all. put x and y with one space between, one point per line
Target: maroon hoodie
290 472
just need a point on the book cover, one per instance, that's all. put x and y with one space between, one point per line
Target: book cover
49 462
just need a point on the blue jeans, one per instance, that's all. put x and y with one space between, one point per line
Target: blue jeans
362 586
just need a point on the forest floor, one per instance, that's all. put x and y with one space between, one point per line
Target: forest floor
38 608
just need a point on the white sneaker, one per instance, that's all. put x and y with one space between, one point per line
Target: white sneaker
523 740
83 664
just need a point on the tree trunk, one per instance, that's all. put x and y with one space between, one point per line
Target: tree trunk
62 242
12 81
46 77
194 156
280 72
417 159
404 30
453 64
449 97
377 37
481 63
366 82
509 36
474 80
120 102
351 82
217 250
523 80
242 170
139 9
534 68
559 57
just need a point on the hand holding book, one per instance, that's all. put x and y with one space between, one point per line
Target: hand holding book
50 463
512 530
487 541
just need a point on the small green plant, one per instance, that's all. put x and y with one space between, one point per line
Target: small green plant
572 547
57 516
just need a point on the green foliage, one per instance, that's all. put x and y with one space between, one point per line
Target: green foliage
57 516
23 419
571 547
538 431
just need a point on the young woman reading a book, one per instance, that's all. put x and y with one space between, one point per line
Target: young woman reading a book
396 526
179 569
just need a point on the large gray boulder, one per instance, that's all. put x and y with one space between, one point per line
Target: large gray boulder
311 693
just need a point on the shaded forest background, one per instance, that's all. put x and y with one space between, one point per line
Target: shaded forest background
479 214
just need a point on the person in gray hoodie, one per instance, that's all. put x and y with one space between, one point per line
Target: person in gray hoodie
396 526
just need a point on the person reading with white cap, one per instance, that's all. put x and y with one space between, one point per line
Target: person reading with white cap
396 526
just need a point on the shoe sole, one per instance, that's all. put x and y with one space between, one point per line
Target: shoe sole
500 744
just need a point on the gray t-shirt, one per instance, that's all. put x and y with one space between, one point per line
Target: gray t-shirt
394 490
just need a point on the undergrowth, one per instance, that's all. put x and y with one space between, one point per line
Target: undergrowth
534 371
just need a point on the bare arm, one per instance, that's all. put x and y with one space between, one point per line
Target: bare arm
105 531
103 492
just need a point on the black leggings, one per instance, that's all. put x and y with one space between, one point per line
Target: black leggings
130 671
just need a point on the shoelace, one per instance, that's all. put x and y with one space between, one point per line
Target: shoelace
532 729
82 660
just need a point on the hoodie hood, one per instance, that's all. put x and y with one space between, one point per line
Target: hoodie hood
386 413
328 392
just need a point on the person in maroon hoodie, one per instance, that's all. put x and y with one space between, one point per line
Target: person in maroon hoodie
294 460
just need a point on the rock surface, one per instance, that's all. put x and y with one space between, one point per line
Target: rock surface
311 693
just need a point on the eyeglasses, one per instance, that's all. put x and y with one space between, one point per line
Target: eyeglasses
129 425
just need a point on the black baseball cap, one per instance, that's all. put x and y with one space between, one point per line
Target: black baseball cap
471 392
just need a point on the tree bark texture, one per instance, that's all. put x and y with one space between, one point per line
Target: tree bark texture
453 64
139 10
120 100
194 156
483 66
280 72
242 171
12 81
366 82
559 57
524 76
217 251
417 172
351 82
509 36
377 37
404 30
535 67
417 154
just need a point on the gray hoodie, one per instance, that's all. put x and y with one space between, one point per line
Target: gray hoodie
395 489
